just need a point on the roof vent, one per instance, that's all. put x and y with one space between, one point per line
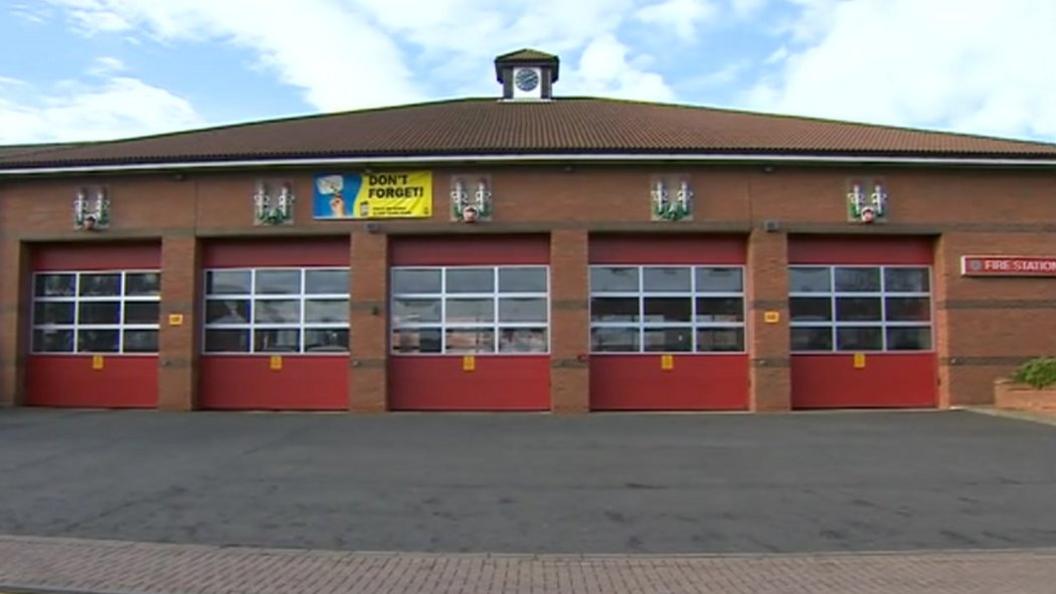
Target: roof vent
526 75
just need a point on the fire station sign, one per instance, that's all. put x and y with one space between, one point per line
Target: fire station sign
389 195
1008 266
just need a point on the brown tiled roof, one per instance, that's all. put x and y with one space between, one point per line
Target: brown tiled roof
10 150
526 55
562 126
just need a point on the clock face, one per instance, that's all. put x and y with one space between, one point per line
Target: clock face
527 79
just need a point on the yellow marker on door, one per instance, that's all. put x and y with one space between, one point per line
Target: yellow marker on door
97 362
859 360
275 363
667 362
469 363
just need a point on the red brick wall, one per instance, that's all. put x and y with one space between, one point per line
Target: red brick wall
984 327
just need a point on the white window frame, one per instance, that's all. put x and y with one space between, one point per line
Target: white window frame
76 299
495 325
833 324
692 295
253 297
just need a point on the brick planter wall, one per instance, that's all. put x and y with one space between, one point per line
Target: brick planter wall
1014 395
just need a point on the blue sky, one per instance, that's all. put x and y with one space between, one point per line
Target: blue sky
95 69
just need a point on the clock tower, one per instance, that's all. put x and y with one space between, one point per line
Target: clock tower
526 75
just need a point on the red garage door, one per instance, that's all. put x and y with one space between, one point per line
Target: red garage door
94 339
276 325
667 323
861 323
470 324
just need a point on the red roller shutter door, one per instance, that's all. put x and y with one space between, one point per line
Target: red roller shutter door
253 380
464 380
880 378
693 380
79 293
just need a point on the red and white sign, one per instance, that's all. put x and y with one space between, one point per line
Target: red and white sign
1008 266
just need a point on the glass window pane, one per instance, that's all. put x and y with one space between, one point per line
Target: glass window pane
908 309
605 340
859 339
810 309
141 341
720 309
331 282
906 280
522 340
812 339
97 341
613 280
527 309
415 280
53 341
668 339
614 309
98 312
719 280
668 309
472 340
228 282
720 340
857 280
659 279
418 340
320 340
909 339
470 280
142 312
466 311
143 284
278 282
55 285
415 311
227 311
522 280
100 285
329 311
277 340
276 311
226 341
858 309
53 312
809 280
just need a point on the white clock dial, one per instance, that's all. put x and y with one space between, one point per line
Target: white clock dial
526 79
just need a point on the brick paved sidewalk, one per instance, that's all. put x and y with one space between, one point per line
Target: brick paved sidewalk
70 565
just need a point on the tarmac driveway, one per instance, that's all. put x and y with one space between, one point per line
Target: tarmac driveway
612 483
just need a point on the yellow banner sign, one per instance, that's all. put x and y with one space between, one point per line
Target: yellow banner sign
390 195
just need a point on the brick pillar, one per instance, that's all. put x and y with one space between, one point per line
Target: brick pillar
768 343
14 309
569 323
946 260
368 373
178 342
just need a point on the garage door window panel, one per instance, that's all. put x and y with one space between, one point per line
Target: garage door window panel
470 310
274 311
94 312
870 308
671 309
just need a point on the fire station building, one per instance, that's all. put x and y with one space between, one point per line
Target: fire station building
525 252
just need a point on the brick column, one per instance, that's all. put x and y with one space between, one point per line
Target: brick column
768 343
14 308
368 373
178 342
569 322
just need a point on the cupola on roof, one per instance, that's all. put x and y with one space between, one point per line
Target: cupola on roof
527 75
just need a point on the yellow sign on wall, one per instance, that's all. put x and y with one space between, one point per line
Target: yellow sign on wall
97 362
667 362
275 363
388 195
469 363
859 360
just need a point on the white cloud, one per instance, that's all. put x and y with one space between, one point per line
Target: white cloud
746 8
604 69
970 66
683 16
112 108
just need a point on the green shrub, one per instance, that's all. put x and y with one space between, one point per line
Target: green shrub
1037 373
